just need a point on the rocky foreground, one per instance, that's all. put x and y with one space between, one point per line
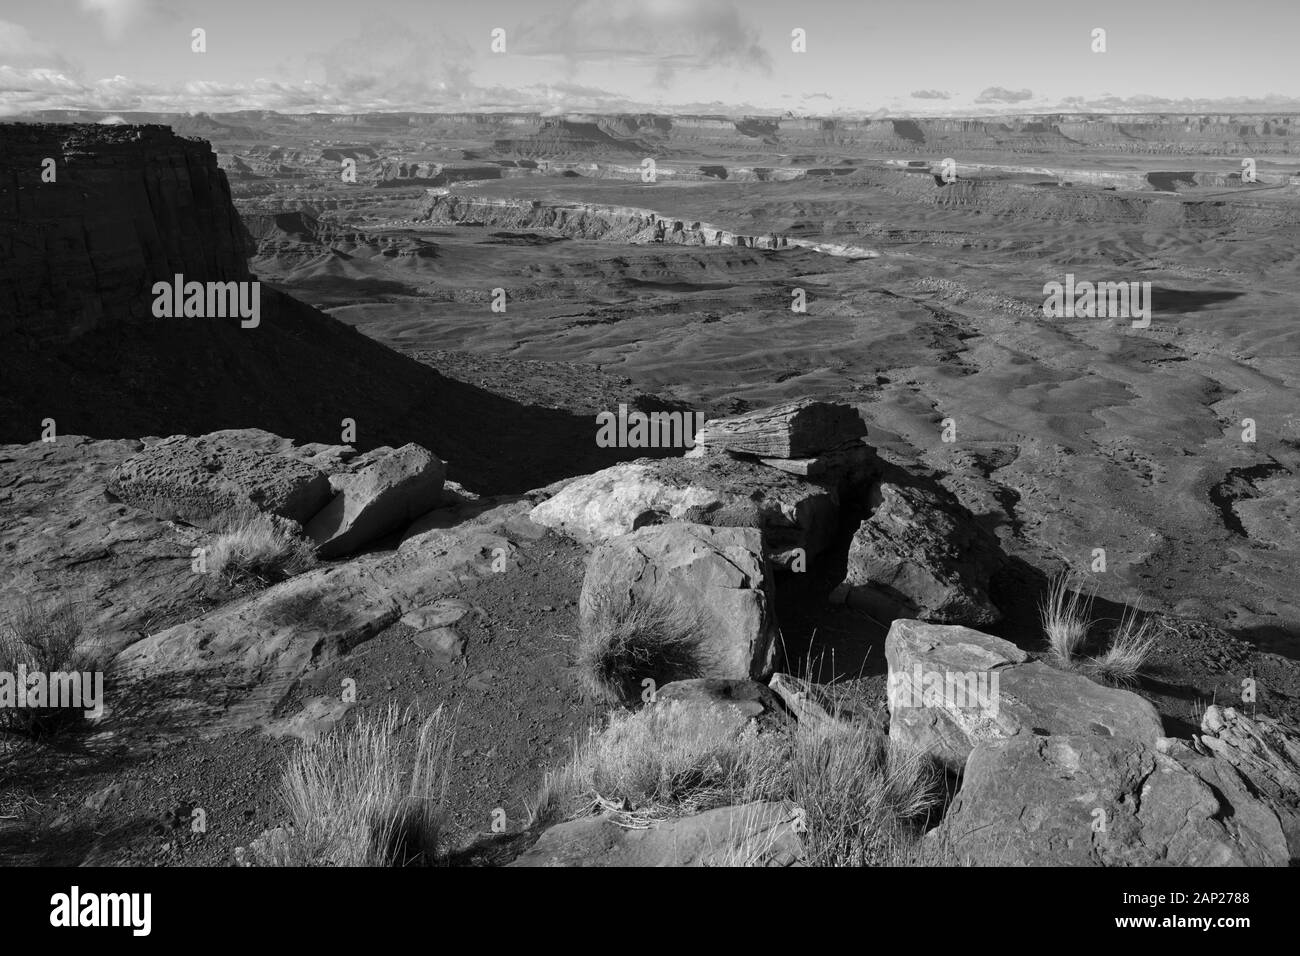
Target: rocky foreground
775 514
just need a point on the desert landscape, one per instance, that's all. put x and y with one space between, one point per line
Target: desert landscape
631 488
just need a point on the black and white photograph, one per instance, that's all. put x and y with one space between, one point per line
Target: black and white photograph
445 435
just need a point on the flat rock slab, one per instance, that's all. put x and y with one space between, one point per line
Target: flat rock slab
748 697
442 613
208 480
442 641
1085 800
63 539
229 669
754 834
383 491
799 429
951 687
317 716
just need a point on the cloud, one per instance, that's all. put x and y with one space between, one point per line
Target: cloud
931 95
390 63
116 16
665 35
998 94
19 49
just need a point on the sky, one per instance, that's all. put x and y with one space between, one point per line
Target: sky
861 57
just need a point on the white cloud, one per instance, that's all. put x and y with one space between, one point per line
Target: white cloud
665 35
117 15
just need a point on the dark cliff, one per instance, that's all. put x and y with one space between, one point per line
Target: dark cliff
129 206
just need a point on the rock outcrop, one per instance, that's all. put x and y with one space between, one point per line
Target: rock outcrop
921 554
717 491
1086 800
210 479
718 573
951 688
379 492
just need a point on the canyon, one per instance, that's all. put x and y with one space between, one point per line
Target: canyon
491 285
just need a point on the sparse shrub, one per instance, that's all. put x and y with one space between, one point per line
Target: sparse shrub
863 797
43 637
253 549
669 759
1130 648
367 795
622 642
1066 620
1064 615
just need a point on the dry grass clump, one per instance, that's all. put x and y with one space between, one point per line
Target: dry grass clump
1066 622
624 641
1130 648
671 759
861 798
367 795
43 637
253 549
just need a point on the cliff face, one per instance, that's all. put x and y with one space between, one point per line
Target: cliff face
129 206
135 205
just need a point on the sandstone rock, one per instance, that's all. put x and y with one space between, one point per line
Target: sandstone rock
63 539
1261 755
719 572
715 491
1086 800
329 459
208 480
749 697
951 687
317 716
443 642
383 491
442 613
230 668
799 429
754 834
922 555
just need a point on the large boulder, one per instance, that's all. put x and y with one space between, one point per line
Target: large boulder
951 688
718 573
381 492
754 834
922 555
1087 800
718 491
206 480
